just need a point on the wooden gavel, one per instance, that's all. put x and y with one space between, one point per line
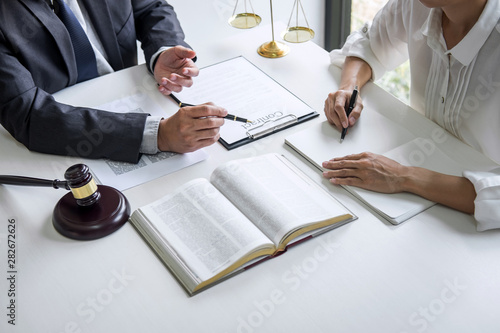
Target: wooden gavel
89 211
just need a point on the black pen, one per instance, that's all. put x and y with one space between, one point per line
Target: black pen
235 118
228 116
352 102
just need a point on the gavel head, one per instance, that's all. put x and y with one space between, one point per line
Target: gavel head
90 211
82 185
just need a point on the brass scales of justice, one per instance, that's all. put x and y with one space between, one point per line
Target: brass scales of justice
246 19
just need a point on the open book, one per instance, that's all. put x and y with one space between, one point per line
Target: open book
320 143
251 209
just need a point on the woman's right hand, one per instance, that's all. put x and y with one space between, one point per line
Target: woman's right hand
336 105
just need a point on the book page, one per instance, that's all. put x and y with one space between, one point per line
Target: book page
273 195
245 91
204 229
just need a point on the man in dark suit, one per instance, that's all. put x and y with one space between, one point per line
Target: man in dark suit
37 59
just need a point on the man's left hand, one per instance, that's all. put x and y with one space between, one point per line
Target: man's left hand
175 69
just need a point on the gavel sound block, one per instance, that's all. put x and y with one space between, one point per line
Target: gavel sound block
89 211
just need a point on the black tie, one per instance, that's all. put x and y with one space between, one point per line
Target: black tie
84 54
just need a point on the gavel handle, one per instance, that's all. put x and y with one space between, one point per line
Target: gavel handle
28 181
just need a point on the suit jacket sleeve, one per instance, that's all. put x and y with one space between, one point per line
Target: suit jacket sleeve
34 118
156 25
30 70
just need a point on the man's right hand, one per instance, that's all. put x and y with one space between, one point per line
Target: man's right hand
191 128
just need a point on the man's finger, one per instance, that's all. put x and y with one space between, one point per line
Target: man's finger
207 110
184 52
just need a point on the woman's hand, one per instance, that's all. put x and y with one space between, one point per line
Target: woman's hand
381 174
335 109
367 170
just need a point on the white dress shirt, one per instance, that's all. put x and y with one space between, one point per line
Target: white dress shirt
459 89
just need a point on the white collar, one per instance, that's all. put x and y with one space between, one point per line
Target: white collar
467 49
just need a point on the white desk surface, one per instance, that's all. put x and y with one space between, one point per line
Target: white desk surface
433 273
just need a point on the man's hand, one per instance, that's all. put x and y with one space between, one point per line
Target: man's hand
191 128
175 69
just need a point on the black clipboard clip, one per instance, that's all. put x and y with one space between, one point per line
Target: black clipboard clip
271 126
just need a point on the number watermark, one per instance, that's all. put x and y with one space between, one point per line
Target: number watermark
11 272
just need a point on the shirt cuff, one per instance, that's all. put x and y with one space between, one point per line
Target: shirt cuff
487 186
149 143
154 57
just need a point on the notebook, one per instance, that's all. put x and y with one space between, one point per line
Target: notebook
321 142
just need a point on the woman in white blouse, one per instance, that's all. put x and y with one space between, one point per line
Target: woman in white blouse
454 52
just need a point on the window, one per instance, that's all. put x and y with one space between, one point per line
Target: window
396 82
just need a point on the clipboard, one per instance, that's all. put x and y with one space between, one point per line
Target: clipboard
268 128
248 92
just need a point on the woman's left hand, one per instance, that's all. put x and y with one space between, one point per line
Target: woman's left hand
367 170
